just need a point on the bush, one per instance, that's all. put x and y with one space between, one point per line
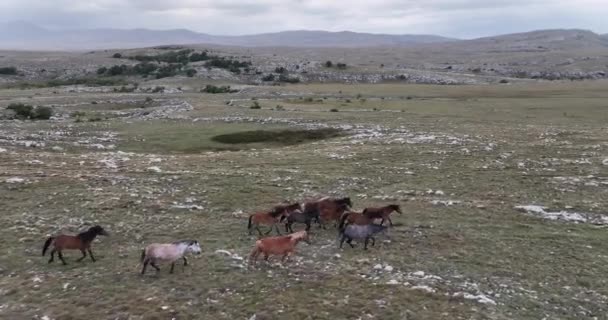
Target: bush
279 108
22 111
8 70
329 64
117 55
269 77
102 70
42 113
190 72
341 65
504 81
333 110
117 70
288 79
255 105
158 89
280 70
214 89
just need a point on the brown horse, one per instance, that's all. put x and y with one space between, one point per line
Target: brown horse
271 218
282 245
81 242
383 213
327 209
351 217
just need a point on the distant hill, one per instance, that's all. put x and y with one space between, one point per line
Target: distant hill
23 35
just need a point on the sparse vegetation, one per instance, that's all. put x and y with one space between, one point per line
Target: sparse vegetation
268 77
117 55
255 105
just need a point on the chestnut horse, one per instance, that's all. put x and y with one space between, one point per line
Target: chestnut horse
271 218
352 217
81 242
282 245
382 213
327 209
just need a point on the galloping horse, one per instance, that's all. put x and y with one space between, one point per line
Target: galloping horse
170 252
382 213
327 209
354 218
367 232
282 245
271 218
81 242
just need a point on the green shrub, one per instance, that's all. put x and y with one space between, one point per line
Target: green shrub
215 89
329 64
333 110
341 65
22 111
42 113
280 70
190 72
8 70
117 55
269 77
255 105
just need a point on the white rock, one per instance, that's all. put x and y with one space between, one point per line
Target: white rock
15 180
424 288
392 281
57 148
164 307
2 150
154 169
605 162
439 193
418 274
388 268
378 267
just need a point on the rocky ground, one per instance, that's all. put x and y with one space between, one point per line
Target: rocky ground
503 190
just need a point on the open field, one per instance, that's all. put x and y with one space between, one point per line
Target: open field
458 159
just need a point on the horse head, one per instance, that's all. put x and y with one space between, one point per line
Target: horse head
194 247
98 230
396 207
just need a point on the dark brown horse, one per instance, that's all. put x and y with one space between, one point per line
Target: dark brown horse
271 218
327 209
383 213
81 242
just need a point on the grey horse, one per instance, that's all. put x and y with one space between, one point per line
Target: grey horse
367 232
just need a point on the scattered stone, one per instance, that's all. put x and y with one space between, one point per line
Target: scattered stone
15 180
154 169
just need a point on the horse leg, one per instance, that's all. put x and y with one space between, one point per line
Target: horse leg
382 221
60 255
269 230
91 255
350 242
172 267
390 221
287 225
84 255
373 241
366 241
143 270
284 257
342 241
266 256
257 227
276 226
52 256
185 261
153 264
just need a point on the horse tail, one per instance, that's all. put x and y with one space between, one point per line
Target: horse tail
143 256
47 244
249 223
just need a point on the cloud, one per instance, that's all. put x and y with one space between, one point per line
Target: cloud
460 18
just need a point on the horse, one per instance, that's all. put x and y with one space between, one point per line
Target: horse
367 232
354 218
281 245
81 242
170 252
382 213
305 217
327 209
271 218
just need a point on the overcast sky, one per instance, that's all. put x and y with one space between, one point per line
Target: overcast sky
455 18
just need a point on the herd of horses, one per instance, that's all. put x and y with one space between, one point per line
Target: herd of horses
351 226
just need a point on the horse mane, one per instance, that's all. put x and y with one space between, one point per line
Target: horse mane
88 235
187 242
393 206
276 211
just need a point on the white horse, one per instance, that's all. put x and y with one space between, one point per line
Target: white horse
168 252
